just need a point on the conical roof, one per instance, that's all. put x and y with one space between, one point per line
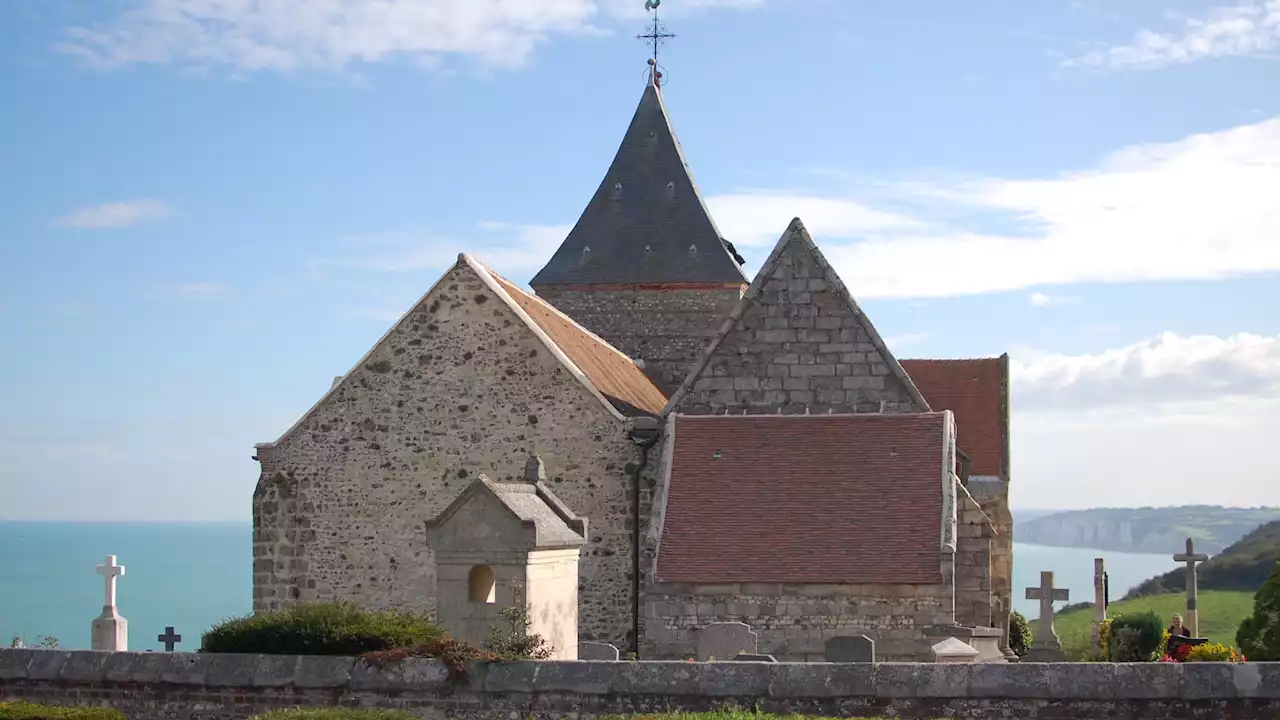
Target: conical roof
646 223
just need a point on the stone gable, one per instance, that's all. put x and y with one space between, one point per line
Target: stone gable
797 343
462 385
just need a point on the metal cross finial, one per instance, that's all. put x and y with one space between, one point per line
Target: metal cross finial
656 36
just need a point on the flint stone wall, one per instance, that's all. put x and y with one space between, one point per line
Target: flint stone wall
187 686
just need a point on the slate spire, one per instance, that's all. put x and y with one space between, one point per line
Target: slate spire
646 223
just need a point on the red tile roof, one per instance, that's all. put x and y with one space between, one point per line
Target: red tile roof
971 389
804 499
615 375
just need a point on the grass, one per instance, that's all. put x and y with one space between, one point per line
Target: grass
1220 614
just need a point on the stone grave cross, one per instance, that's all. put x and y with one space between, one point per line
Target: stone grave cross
1046 647
110 631
1191 558
169 638
1099 603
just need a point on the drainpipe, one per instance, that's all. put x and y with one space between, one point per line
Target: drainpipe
644 433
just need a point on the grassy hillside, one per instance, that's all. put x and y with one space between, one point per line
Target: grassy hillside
1242 566
1220 614
1148 529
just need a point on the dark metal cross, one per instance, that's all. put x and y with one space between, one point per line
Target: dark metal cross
658 35
169 638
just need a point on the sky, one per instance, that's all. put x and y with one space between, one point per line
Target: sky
211 208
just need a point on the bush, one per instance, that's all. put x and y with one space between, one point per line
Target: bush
515 642
345 713
1259 634
29 711
1135 637
1020 637
1212 652
320 629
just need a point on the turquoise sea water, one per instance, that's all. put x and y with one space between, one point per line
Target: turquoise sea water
192 575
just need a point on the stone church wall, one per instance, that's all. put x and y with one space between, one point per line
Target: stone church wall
459 387
666 327
794 621
973 564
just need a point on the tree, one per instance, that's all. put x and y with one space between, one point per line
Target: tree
1019 633
515 642
1259 634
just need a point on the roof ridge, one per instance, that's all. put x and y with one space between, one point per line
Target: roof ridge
557 311
796 232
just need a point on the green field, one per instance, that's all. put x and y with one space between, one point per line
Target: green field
1220 614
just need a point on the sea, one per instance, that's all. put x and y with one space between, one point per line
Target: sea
193 575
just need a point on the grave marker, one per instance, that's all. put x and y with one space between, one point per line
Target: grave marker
849 649
1046 647
725 640
1192 558
597 651
110 631
1099 604
169 638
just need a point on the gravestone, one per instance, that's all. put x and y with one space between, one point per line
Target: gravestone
1099 604
954 650
725 640
1192 558
850 649
751 657
597 651
170 638
1046 647
110 631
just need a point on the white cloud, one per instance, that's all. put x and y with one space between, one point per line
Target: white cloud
1039 299
1203 207
1245 28
115 214
330 35
1169 371
516 251
1168 420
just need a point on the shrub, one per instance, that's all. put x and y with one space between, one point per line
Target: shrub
29 711
1135 637
320 629
342 713
455 655
515 642
1259 634
1020 637
1212 652
1104 640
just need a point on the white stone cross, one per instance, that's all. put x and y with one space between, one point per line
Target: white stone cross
110 571
1191 557
1047 594
1099 603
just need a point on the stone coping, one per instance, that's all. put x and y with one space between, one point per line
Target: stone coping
1047 681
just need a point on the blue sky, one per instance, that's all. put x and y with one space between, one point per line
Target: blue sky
209 209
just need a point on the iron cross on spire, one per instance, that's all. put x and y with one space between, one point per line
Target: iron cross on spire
656 36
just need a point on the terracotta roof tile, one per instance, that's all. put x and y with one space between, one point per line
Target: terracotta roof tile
804 499
971 389
615 375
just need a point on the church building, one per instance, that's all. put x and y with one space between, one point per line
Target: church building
743 450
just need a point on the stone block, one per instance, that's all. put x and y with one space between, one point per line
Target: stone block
414 673
1207 680
185 668
1047 681
144 668
734 679
658 678
510 677
47 664
14 663
1147 681
597 651
319 671
231 670
579 678
850 648
805 680
86 666
895 680
275 670
1256 680
942 680
724 640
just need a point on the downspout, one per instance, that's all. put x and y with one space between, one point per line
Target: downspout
644 434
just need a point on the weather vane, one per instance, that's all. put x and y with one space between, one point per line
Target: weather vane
656 36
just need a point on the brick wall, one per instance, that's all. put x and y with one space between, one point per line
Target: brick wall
182 686
459 387
795 621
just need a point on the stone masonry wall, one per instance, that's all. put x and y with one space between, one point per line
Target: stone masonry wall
993 496
794 621
667 328
459 387
181 686
973 564
798 347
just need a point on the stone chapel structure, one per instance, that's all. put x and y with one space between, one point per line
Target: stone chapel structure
736 451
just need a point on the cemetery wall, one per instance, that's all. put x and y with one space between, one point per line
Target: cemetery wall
460 386
795 621
185 686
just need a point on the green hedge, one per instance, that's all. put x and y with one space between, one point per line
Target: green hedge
1135 637
29 711
335 714
320 629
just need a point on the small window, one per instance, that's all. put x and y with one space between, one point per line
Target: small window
671 188
482 587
